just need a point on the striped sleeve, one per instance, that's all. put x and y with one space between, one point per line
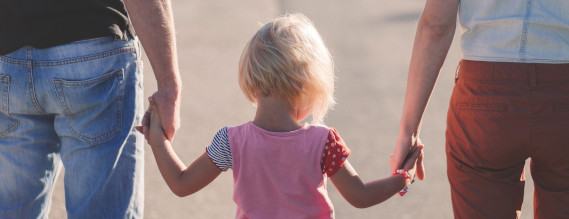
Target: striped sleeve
219 151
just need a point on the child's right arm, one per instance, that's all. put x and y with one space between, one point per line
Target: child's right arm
363 195
182 180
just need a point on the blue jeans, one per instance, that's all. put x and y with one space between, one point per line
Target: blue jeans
76 105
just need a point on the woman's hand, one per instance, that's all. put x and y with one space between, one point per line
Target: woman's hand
405 147
415 156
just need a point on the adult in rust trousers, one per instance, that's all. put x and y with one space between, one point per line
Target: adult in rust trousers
510 103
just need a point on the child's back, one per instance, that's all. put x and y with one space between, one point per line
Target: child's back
278 173
279 165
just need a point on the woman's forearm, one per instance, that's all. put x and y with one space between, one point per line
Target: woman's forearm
432 42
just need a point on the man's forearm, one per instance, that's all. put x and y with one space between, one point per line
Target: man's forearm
153 22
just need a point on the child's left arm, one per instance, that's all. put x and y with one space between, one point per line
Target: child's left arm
363 195
182 180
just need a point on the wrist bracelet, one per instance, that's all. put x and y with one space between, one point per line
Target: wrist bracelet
407 180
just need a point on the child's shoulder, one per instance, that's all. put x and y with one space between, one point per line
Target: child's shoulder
241 129
322 127
240 126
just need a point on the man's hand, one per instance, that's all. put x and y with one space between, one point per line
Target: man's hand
156 134
169 111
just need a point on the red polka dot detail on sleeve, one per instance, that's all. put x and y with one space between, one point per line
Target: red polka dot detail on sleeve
335 153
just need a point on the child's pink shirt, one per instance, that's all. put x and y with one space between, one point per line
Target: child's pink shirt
279 174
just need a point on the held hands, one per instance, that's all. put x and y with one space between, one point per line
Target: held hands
153 130
404 150
410 163
168 105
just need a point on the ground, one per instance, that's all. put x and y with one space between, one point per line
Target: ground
370 42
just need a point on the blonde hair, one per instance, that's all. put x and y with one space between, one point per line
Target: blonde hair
287 57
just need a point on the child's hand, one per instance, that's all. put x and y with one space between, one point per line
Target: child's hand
155 133
410 163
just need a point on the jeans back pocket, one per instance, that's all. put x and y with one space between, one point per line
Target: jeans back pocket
7 124
93 106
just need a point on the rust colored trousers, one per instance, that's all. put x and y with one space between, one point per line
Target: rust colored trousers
501 114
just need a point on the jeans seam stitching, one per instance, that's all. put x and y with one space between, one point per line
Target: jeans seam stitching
68 61
96 138
5 91
61 96
31 85
12 128
116 73
13 61
5 85
84 59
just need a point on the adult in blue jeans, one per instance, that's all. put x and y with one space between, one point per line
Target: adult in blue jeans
71 94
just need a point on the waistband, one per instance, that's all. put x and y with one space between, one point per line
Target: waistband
77 50
512 71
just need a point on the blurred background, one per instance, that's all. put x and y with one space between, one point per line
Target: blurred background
371 44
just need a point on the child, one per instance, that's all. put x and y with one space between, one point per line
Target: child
279 165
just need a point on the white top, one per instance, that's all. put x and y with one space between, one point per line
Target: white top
528 31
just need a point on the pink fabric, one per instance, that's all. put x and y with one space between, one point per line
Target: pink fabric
278 174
